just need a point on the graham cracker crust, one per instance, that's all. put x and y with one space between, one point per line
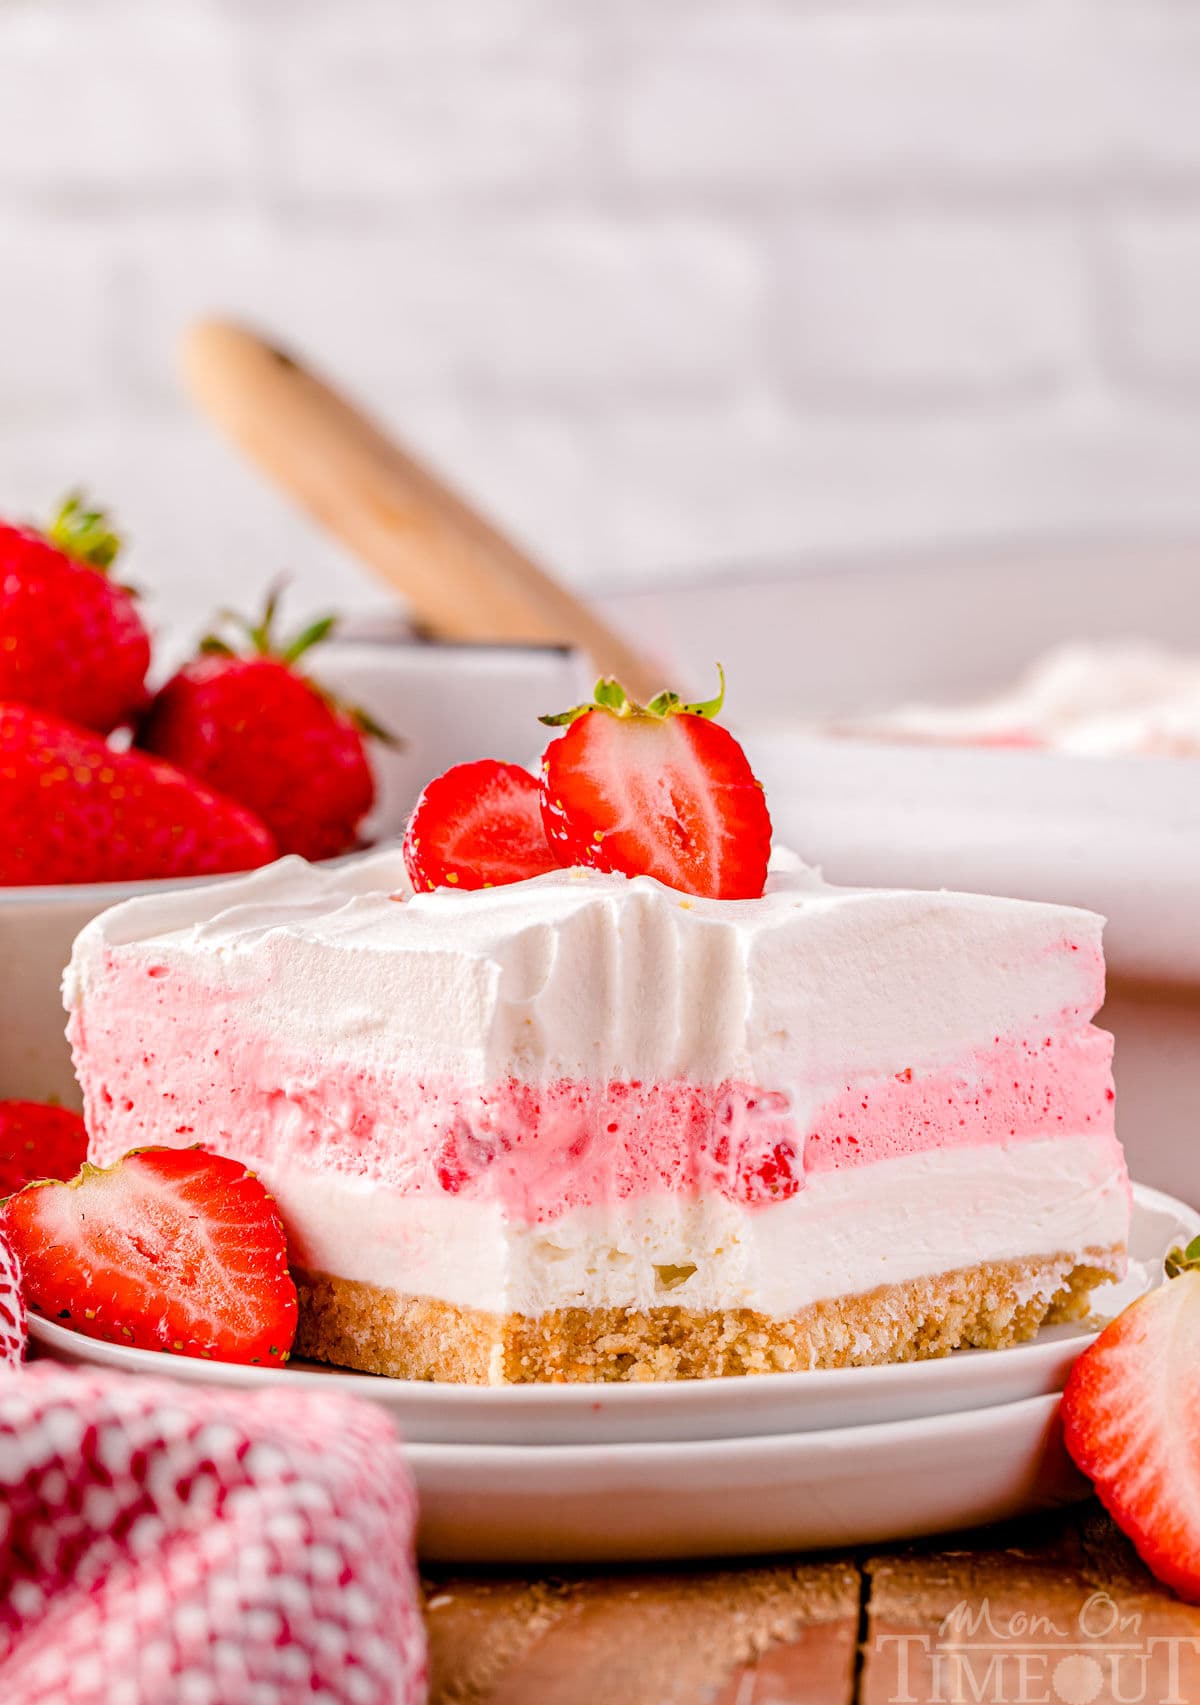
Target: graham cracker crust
989 1306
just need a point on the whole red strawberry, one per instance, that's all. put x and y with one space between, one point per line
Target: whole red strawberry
38 1141
75 810
71 640
170 1249
261 732
656 790
1131 1420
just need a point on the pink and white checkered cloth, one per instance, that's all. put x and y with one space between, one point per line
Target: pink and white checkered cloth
166 1545
13 1336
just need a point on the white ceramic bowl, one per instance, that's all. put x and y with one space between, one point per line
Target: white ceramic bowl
37 927
449 703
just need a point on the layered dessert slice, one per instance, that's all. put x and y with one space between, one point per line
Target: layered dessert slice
587 1127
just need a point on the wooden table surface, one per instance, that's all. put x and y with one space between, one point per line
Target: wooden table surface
1053 1611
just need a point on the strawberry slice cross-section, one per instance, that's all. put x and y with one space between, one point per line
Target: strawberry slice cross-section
656 790
170 1249
1131 1421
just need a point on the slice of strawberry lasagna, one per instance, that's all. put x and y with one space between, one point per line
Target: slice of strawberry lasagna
585 1127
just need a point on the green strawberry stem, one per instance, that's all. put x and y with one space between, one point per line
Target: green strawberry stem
260 636
84 534
1183 1260
611 696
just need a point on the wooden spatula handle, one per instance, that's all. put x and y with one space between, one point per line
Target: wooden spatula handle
462 578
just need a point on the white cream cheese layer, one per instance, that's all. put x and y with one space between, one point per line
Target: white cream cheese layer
846 1232
583 975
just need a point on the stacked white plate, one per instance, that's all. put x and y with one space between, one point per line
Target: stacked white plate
777 1462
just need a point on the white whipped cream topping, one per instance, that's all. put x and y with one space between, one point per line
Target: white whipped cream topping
583 975
844 1232
1104 699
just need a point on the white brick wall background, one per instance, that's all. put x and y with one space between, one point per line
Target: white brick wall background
667 284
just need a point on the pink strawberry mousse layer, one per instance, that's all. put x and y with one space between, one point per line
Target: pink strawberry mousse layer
558 1092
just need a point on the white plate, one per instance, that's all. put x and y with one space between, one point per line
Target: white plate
729 1497
696 1409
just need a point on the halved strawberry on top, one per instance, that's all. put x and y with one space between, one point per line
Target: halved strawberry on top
477 826
170 1249
656 790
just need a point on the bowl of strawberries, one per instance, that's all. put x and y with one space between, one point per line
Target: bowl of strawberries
110 787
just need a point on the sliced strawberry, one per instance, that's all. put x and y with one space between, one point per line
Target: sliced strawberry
477 826
656 790
170 1249
1131 1420
38 1141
